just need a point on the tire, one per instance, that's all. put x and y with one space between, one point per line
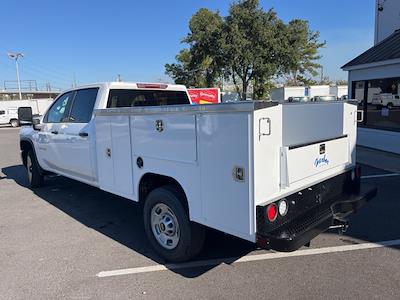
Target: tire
14 123
35 177
183 239
389 105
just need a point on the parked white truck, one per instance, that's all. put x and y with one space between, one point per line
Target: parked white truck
273 174
9 109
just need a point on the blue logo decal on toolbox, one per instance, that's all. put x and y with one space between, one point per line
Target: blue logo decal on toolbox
320 161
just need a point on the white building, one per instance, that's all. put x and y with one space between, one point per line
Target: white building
387 18
376 72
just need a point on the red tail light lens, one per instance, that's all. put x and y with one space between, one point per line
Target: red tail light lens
272 212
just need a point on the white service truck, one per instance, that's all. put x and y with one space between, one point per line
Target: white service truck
9 109
273 174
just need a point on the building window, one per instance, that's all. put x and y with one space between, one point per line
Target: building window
380 100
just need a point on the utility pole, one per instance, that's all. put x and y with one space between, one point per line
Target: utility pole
119 78
15 56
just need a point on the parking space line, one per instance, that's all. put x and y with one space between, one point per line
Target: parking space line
249 258
380 175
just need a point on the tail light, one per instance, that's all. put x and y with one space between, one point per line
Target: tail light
283 207
272 212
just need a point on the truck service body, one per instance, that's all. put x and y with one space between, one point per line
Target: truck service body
275 174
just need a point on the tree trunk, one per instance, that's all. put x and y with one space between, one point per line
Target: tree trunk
244 88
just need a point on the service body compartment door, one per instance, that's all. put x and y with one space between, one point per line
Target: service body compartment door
302 161
226 172
165 136
114 156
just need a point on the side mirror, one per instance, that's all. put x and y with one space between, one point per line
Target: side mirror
25 115
36 123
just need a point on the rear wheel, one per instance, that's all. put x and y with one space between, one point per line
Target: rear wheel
389 105
14 123
35 178
168 227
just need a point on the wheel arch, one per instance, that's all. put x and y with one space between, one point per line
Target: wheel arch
25 145
13 119
150 181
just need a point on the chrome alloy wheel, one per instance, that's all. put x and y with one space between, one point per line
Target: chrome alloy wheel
165 226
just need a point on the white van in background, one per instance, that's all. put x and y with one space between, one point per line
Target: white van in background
386 100
9 116
9 109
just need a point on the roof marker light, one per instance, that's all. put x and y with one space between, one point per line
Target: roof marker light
152 85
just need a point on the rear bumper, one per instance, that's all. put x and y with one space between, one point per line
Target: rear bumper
300 230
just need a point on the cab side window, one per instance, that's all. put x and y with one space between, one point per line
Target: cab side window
2 112
60 109
82 108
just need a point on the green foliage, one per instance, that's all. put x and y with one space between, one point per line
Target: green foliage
250 47
203 61
302 52
180 71
342 82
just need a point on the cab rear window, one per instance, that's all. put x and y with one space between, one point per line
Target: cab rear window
130 98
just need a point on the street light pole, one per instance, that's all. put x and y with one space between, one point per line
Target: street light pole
15 56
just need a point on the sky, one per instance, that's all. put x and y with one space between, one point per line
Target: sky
91 41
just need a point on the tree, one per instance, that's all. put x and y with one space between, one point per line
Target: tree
203 60
300 81
205 39
249 47
180 71
303 45
342 82
252 49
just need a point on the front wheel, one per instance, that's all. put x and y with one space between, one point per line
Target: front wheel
14 123
35 178
168 227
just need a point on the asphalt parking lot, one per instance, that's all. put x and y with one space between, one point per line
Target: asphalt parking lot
69 240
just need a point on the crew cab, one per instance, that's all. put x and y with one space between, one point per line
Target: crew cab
276 174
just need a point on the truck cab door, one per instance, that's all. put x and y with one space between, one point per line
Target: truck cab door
75 149
3 116
48 138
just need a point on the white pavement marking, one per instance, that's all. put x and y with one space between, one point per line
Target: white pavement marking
249 258
380 175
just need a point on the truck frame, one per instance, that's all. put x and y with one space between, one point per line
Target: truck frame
273 174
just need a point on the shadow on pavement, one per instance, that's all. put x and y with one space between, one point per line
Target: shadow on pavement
121 219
